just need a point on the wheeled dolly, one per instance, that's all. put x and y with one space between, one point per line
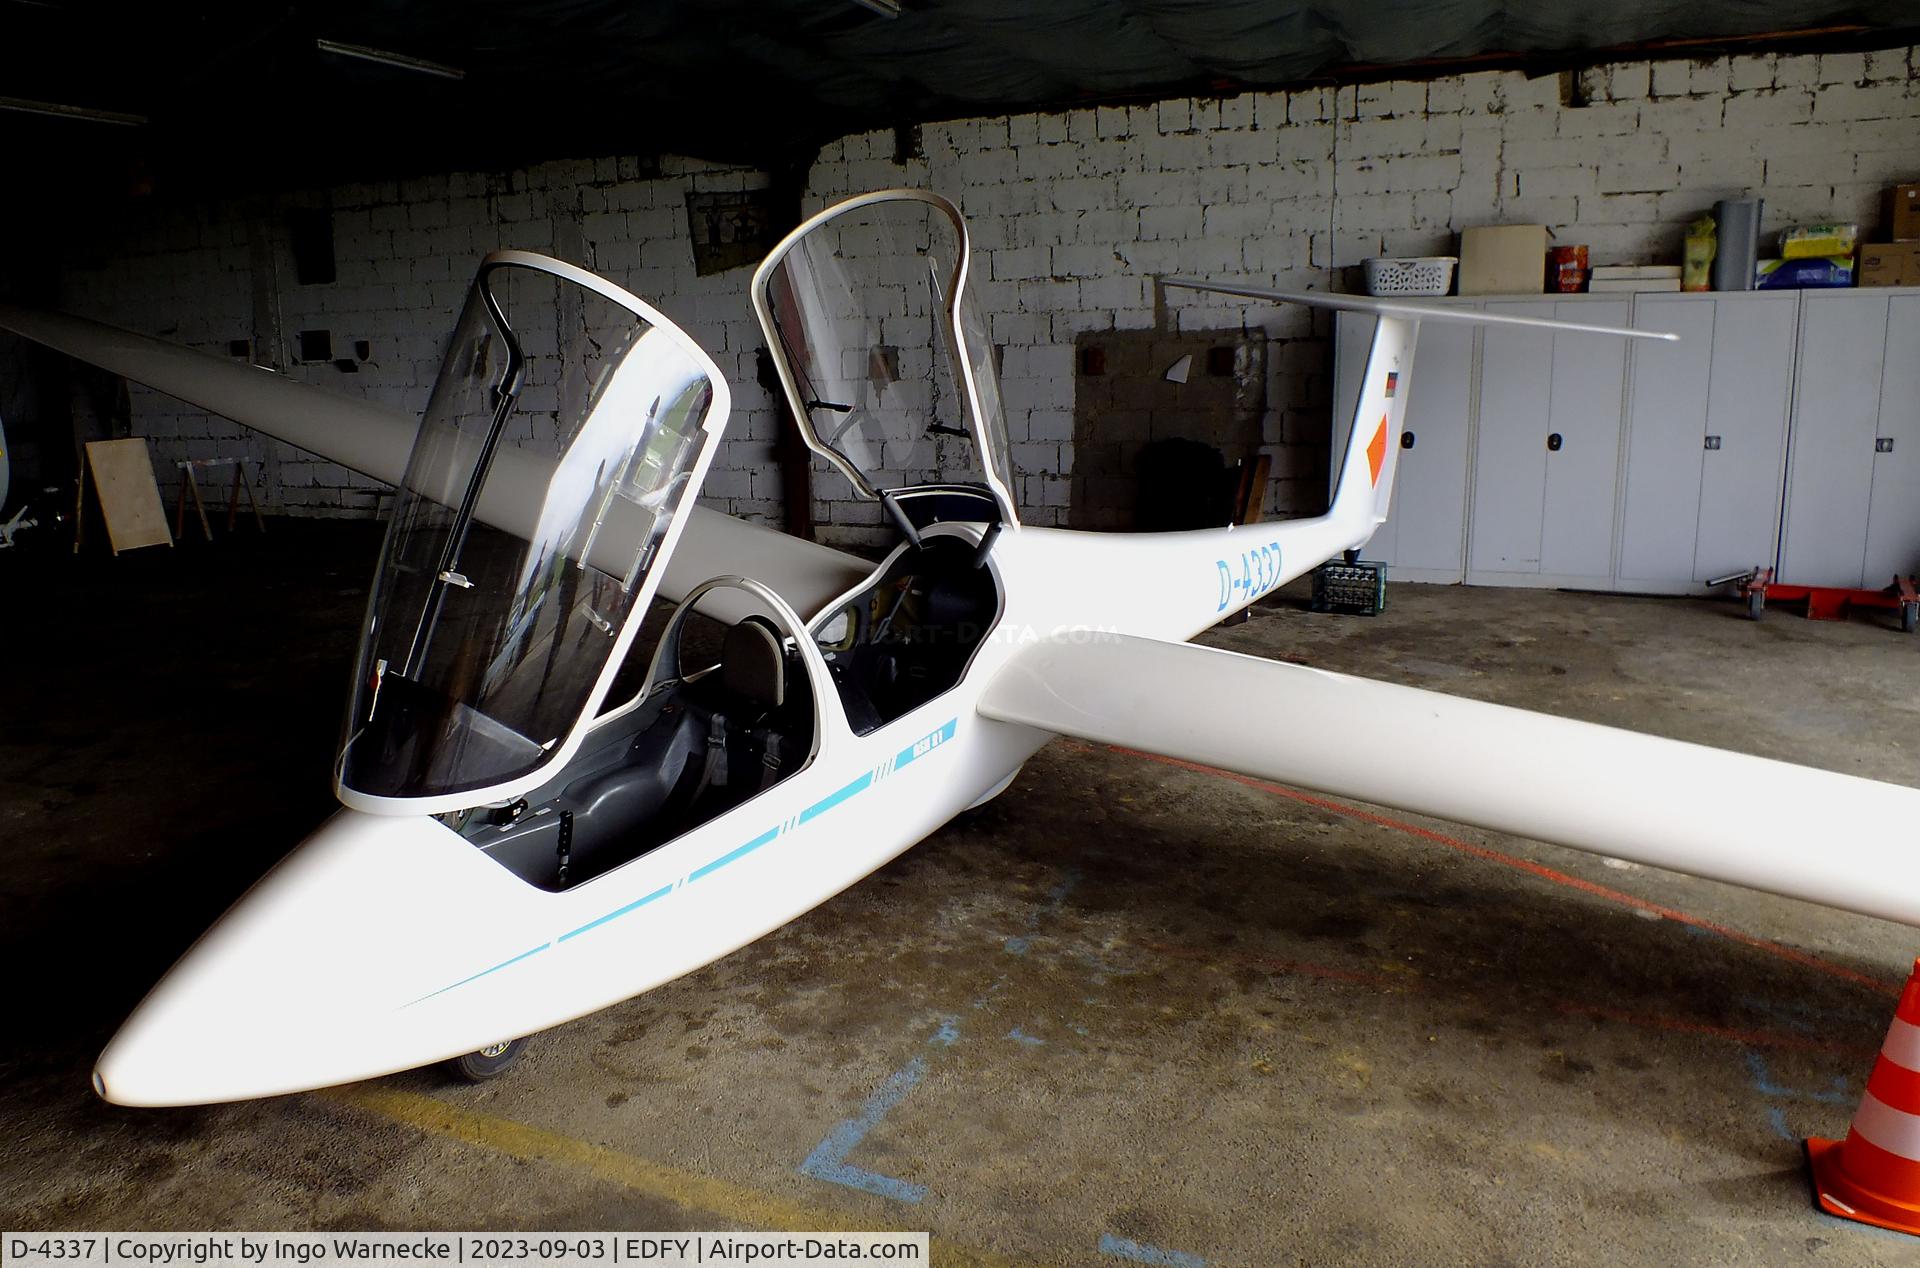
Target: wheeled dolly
1826 603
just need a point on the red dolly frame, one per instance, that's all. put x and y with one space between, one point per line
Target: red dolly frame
1830 603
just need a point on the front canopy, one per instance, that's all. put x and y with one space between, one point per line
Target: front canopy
884 357
560 454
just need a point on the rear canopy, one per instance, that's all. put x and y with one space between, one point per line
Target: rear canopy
885 360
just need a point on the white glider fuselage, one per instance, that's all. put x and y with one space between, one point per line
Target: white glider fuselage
386 942
389 939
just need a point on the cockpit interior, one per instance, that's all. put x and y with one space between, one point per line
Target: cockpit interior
695 746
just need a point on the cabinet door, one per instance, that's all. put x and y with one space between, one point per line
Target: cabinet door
1430 492
1582 474
1752 386
1893 518
1510 448
1666 423
1425 531
1836 415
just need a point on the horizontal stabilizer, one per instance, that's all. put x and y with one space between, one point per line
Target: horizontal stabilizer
1403 309
376 440
1825 837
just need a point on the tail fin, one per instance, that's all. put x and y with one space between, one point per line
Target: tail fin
1373 446
1373 451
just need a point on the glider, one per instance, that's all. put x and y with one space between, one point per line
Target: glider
543 814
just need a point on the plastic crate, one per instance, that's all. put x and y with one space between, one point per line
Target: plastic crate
1414 275
1352 589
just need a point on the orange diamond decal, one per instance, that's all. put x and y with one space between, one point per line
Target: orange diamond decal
1377 449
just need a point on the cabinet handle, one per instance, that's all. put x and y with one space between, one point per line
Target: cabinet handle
1406 440
1553 442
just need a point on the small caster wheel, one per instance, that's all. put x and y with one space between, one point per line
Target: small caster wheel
490 1062
1756 604
1909 617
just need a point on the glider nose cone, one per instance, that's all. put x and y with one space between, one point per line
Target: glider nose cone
132 1072
301 984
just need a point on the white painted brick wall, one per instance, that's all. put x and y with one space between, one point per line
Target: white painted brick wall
1072 214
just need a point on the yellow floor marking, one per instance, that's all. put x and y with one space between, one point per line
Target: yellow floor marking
730 1202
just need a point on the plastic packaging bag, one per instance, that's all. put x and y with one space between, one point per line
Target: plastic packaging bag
1803 273
1696 267
1814 242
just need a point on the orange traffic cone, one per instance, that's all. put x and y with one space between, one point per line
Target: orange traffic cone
1874 1175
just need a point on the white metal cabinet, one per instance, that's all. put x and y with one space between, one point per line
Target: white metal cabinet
1836 419
1547 453
1706 438
1425 533
1666 421
1741 477
1589 375
1510 448
1893 513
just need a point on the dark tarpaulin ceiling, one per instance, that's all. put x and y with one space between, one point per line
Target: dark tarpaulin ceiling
237 93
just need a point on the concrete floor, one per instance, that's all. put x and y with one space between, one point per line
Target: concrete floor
1126 1011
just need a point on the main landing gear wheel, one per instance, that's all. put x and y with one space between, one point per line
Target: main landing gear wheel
490 1062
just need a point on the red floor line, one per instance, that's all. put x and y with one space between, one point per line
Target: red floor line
1685 1025
1790 954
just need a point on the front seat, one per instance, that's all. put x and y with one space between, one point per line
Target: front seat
746 751
753 668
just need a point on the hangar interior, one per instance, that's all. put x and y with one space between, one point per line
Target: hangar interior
1133 1009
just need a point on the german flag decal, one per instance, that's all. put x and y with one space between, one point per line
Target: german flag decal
1377 449
1393 383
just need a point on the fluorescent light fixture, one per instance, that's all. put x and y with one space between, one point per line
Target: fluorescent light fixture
57 111
399 61
885 8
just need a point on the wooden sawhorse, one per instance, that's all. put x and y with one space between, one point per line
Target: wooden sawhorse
190 487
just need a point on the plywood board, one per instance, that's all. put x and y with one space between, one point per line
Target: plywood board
129 497
1250 503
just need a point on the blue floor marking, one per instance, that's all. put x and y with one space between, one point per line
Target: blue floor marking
1141 1253
1763 1084
618 912
1761 1081
828 1159
733 855
1020 944
1020 1036
948 1034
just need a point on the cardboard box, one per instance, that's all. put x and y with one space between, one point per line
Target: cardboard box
1890 264
1504 260
1636 272
1903 213
1632 285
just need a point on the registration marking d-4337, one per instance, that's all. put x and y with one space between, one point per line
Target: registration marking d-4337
1252 575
